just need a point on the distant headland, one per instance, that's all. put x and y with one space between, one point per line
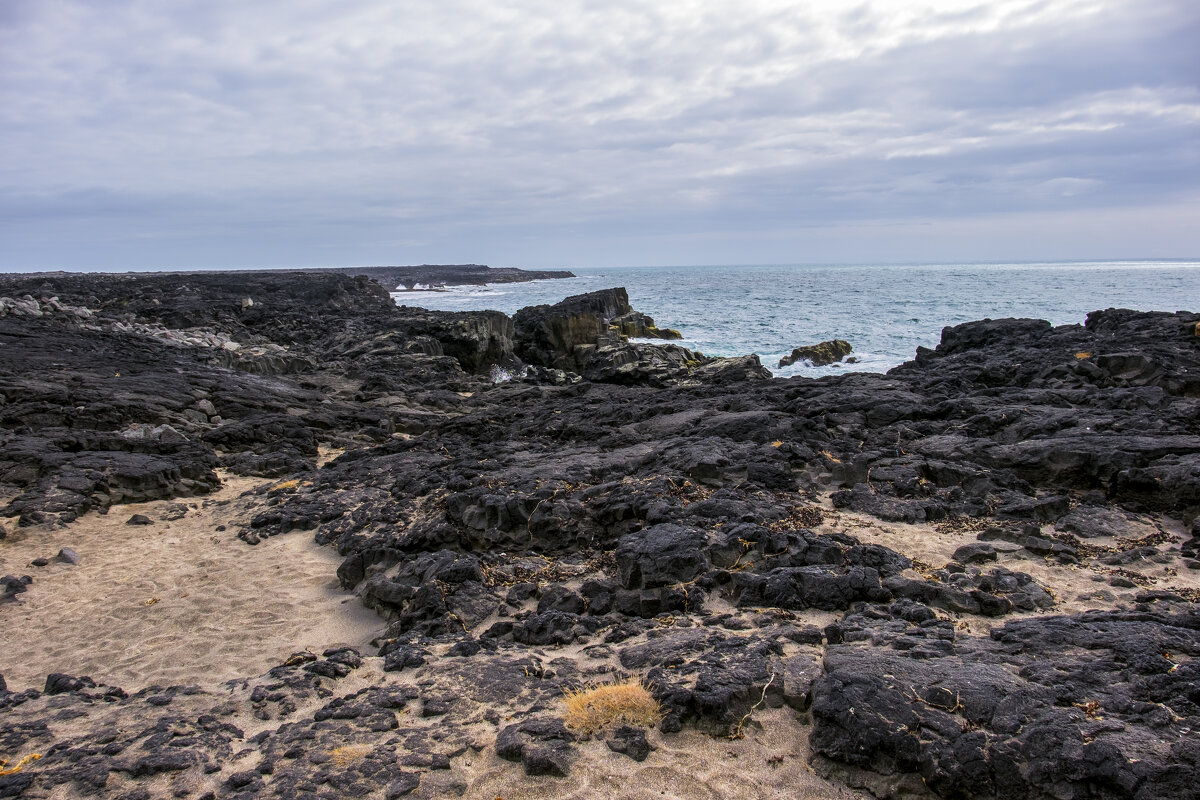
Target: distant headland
440 275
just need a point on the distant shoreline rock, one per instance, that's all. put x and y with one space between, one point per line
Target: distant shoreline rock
819 355
434 277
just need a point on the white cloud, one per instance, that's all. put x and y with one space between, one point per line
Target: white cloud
454 115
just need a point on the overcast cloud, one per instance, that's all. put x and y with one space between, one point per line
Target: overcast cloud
210 133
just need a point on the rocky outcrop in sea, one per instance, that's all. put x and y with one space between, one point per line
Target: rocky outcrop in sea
973 576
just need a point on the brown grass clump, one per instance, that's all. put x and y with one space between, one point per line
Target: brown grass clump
627 702
5 769
348 754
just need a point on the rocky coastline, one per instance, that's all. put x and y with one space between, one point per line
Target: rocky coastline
442 275
972 577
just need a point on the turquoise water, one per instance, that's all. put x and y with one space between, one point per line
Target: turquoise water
884 311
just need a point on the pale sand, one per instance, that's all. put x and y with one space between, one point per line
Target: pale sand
170 603
769 763
1075 588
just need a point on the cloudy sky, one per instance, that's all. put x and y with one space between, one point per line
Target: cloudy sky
222 133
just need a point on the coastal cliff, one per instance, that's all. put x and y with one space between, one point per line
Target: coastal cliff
974 576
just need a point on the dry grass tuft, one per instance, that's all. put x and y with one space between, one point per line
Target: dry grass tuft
627 702
287 486
348 754
5 769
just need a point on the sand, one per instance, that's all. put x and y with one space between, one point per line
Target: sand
1075 588
174 602
769 762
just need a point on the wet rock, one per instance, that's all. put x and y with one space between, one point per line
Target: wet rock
819 355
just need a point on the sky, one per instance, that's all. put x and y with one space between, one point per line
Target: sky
171 134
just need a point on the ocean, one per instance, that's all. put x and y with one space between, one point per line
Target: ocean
884 311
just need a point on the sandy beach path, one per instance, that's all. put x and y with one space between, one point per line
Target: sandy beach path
176 601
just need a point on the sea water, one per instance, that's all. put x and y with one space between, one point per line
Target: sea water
884 311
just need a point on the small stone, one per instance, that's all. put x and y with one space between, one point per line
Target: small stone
39 562
59 683
139 519
975 553
630 741
68 556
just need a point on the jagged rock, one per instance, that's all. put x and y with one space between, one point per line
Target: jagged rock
563 335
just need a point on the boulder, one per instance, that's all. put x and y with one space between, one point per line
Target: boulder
661 555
